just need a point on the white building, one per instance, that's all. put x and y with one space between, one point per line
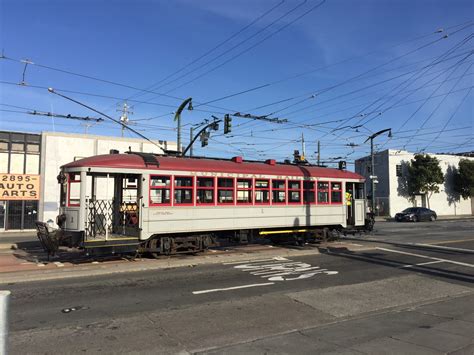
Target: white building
391 168
40 157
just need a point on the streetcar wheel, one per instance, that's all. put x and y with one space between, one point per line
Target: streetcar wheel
154 244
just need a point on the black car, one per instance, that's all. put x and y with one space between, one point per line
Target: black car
416 214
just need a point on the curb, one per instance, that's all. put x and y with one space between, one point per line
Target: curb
150 264
8 246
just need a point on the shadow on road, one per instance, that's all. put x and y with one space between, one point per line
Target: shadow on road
379 258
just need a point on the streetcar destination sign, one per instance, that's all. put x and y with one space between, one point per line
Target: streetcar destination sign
19 187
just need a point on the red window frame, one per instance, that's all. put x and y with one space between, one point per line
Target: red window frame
279 189
290 190
206 188
177 188
327 190
170 188
339 190
310 190
225 189
69 181
262 189
249 189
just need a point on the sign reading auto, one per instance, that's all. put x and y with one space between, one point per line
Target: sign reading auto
19 187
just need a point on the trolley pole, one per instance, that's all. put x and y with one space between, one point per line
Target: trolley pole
4 304
373 177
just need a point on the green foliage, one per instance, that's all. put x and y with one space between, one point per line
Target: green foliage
464 178
424 175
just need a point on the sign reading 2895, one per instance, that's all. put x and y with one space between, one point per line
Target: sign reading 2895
19 187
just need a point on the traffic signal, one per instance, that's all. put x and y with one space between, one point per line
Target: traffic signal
227 123
204 139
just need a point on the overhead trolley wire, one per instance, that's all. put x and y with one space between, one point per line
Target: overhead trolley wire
279 81
450 119
440 102
220 44
423 72
372 69
255 44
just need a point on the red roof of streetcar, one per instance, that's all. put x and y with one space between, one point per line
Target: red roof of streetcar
132 161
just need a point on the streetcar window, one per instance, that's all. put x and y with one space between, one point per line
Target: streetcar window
183 181
74 190
359 191
294 191
205 190
183 190
308 192
262 191
278 191
160 190
244 191
225 190
323 192
336 192
160 181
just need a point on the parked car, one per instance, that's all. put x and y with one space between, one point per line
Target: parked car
416 214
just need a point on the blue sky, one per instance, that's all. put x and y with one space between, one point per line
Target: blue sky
385 47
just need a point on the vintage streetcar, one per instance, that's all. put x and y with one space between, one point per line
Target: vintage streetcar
147 203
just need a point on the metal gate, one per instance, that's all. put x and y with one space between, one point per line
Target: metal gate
106 218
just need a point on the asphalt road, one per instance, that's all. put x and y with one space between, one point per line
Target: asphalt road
399 295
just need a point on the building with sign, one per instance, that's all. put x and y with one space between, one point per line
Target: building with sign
391 173
30 163
20 159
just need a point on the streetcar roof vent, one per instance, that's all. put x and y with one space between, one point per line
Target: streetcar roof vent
270 161
237 159
114 151
148 158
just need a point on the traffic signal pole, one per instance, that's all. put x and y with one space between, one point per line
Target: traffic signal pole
212 124
373 177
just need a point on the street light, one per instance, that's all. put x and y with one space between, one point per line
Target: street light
177 117
373 177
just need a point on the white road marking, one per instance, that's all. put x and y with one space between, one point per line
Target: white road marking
444 247
287 270
278 258
427 257
421 264
232 288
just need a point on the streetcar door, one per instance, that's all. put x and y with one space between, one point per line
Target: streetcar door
355 204
113 206
359 206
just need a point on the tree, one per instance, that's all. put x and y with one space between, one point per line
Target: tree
464 178
424 176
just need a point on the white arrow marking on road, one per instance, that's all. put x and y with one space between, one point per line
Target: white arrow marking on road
232 288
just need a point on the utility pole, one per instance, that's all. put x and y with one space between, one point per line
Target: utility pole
124 117
372 176
319 152
191 136
303 147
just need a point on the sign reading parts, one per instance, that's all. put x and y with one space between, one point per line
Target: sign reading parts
19 187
